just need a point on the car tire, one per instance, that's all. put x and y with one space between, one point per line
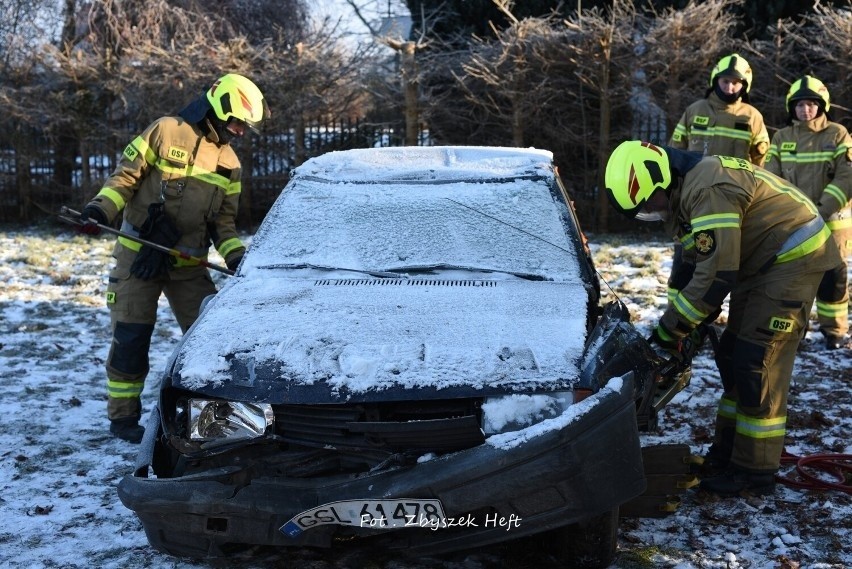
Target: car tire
590 544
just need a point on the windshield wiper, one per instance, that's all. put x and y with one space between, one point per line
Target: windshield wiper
431 269
380 274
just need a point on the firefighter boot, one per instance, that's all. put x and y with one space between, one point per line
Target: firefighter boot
833 342
127 429
714 463
735 482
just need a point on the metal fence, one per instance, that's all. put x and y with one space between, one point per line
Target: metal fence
38 174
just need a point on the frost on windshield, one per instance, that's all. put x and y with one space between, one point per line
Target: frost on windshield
513 226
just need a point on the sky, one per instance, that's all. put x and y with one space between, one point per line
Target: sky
354 29
59 467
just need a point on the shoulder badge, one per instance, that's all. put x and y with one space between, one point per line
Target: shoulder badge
130 152
177 155
735 163
705 242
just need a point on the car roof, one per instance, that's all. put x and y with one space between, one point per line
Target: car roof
428 163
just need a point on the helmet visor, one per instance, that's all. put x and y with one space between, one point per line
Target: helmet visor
254 122
652 215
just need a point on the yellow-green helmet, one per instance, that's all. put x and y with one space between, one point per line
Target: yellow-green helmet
733 65
235 96
808 87
634 171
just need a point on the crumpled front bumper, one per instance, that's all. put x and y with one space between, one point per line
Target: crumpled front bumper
589 466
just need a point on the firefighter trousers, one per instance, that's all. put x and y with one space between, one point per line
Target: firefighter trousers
133 312
767 319
832 300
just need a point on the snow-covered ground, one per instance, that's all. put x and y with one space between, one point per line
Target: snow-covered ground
59 467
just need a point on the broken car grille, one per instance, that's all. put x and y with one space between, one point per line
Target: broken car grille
395 427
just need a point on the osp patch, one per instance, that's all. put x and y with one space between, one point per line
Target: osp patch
705 242
782 324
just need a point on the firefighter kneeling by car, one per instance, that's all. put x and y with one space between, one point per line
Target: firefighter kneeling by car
750 234
178 184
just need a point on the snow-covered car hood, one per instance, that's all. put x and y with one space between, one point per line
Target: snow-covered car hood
284 339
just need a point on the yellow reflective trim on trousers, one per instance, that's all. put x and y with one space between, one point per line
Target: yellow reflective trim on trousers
687 310
779 185
761 428
727 408
838 224
113 196
715 221
124 389
832 309
806 248
228 246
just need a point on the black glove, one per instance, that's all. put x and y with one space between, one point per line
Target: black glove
91 216
234 263
690 345
667 347
158 228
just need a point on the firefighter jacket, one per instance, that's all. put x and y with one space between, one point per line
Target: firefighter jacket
711 126
198 181
816 156
738 222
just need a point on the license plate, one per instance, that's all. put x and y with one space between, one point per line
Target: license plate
372 514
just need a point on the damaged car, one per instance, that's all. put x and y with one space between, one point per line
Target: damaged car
413 354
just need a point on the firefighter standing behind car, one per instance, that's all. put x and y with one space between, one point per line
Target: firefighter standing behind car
723 123
754 236
815 154
178 184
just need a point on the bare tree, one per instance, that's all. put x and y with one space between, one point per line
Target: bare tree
678 50
829 44
407 50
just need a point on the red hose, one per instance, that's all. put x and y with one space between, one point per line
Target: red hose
837 466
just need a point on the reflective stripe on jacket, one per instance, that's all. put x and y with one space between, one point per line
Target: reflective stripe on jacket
737 222
816 156
710 126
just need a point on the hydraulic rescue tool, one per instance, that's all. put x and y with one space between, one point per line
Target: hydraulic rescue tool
65 212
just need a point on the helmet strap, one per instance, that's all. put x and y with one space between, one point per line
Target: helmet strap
214 129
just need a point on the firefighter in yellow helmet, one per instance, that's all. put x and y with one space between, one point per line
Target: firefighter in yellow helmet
815 154
723 123
757 238
177 185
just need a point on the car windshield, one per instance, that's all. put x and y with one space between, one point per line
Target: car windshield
510 227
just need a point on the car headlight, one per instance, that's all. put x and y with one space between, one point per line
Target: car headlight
515 412
216 419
